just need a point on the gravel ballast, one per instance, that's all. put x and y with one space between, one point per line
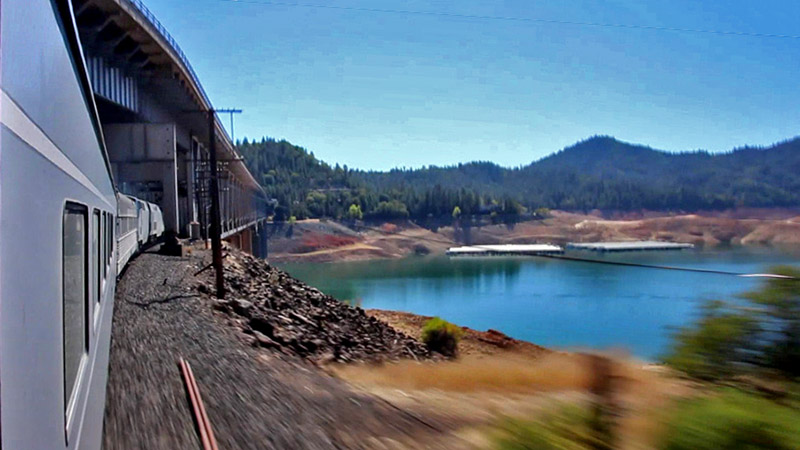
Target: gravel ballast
256 396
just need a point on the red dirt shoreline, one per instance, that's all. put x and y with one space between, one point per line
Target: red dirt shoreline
327 241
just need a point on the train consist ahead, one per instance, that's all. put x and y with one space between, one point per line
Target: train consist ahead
65 234
138 223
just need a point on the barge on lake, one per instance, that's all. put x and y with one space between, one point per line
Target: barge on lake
505 250
628 246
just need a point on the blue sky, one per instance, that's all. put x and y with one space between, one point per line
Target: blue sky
378 90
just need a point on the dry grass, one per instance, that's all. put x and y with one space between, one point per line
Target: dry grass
479 390
497 378
497 373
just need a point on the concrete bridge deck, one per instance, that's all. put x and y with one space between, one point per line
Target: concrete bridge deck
153 112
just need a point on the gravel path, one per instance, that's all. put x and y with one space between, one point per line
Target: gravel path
255 397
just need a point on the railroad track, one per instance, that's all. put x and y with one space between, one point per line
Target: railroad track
198 409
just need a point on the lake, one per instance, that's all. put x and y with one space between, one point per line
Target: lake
555 303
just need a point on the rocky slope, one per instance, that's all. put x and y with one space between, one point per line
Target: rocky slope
472 343
255 398
277 311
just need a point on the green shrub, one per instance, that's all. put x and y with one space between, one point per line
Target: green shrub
731 420
777 304
354 212
441 336
717 346
567 428
762 334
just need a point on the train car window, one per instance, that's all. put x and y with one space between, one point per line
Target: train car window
107 252
75 253
111 221
103 246
110 237
97 256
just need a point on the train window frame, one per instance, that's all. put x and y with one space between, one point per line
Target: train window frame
105 242
97 259
110 241
71 391
103 250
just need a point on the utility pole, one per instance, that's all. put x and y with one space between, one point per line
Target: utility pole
216 233
232 112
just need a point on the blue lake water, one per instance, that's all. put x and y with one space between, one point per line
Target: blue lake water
555 303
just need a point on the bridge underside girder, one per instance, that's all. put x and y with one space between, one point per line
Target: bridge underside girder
142 83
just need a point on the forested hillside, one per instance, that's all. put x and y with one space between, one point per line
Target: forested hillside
302 185
598 173
307 187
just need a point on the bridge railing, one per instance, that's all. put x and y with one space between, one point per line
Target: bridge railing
160 29
156 24
170 40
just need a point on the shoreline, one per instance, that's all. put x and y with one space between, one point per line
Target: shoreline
473 342
496 378
327 241
477 343
310 343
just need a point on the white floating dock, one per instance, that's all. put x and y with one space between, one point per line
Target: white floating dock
505 250
628 246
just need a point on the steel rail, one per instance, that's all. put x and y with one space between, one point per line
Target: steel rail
199 411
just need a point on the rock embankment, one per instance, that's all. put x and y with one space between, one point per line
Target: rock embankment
473 342
277 311
254 398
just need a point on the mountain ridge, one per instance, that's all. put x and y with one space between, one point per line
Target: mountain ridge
600 172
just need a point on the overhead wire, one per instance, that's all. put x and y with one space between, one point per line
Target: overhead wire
735 33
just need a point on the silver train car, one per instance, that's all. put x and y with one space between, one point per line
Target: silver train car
65 234
156 222
143 222
127 230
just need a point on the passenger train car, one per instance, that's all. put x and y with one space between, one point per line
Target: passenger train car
65 234
143 222
156 222
127 230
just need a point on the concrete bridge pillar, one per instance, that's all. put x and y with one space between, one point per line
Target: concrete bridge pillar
144 161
